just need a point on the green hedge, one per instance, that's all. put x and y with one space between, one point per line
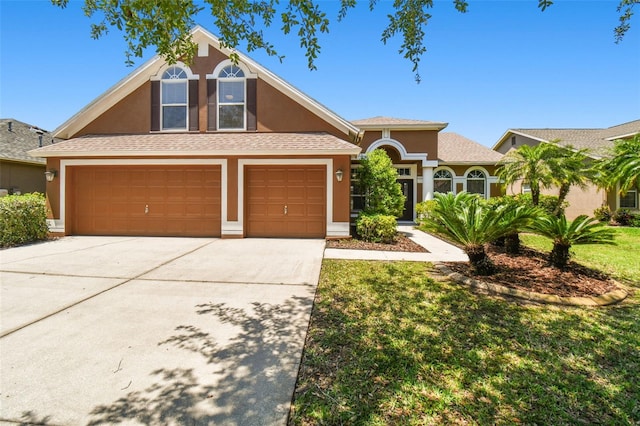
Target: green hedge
23 219
377 228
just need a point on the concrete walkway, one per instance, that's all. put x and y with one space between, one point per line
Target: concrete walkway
439 251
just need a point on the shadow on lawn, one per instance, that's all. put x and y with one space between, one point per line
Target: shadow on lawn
396 347
251 378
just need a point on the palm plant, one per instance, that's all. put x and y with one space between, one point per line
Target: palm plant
623 167
564 234
469 221
569 168
529 164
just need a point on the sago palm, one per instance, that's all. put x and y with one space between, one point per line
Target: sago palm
564 234
469 221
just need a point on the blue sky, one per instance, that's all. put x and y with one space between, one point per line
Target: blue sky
504 64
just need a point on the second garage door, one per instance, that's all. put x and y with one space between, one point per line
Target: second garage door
286 201
146 200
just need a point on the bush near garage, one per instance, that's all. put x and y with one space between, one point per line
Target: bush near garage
623 217
23 219
376 228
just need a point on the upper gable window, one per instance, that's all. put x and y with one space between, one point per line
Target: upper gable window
174 99
231 98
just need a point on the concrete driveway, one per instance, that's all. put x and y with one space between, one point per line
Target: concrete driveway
131 330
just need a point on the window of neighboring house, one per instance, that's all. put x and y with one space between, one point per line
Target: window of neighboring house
629 200
443 181
513 141
526 188
476 182
174 99
231 98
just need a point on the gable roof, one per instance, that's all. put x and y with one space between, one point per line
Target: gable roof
189 144
380 122
23 137
457 149
150 68
597 141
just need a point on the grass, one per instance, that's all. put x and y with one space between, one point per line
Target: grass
621 261
388 344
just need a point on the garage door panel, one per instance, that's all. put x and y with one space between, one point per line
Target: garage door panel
269 189
181 200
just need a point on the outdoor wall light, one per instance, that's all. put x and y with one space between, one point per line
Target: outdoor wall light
339 175
50 175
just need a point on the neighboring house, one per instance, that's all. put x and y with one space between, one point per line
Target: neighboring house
20 173
429 161
599 142
228 150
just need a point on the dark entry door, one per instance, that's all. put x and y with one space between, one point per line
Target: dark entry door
407 190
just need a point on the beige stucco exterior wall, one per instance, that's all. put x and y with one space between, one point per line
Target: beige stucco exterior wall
22 177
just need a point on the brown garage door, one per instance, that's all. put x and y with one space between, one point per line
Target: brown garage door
286 201
145 200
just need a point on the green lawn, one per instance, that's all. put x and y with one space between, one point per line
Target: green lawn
389 345
622 260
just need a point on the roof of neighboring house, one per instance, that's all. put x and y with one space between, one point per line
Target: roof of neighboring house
23 137
379 123
456 149
597 141
176 144
203 38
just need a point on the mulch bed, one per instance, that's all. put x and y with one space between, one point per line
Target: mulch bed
402 243
531 271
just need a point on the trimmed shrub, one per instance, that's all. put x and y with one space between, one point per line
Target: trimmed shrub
424 209
622 217
547 203
635 221
23 219
603 214
376 228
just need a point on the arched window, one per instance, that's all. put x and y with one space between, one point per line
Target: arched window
443 181
231 98
174 99
476 182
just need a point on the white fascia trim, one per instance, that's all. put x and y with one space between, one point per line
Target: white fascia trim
628 135
404 127
327 162
60 223
404 155
219 153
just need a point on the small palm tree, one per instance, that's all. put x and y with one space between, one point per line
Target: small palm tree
564 234
623 167
569 168
469 221
529 164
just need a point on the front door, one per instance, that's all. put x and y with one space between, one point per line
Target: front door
407 191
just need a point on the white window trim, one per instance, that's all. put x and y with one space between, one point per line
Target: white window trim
158 77
453 178
486 179
219 104
215 75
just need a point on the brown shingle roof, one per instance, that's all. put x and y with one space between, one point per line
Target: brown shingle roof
456 149
392 122
182 144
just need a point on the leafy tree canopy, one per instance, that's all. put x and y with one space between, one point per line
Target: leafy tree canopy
378 180
165 24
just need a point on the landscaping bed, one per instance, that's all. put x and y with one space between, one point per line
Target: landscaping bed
531 271
402 243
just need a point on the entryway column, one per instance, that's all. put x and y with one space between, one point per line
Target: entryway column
427 183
